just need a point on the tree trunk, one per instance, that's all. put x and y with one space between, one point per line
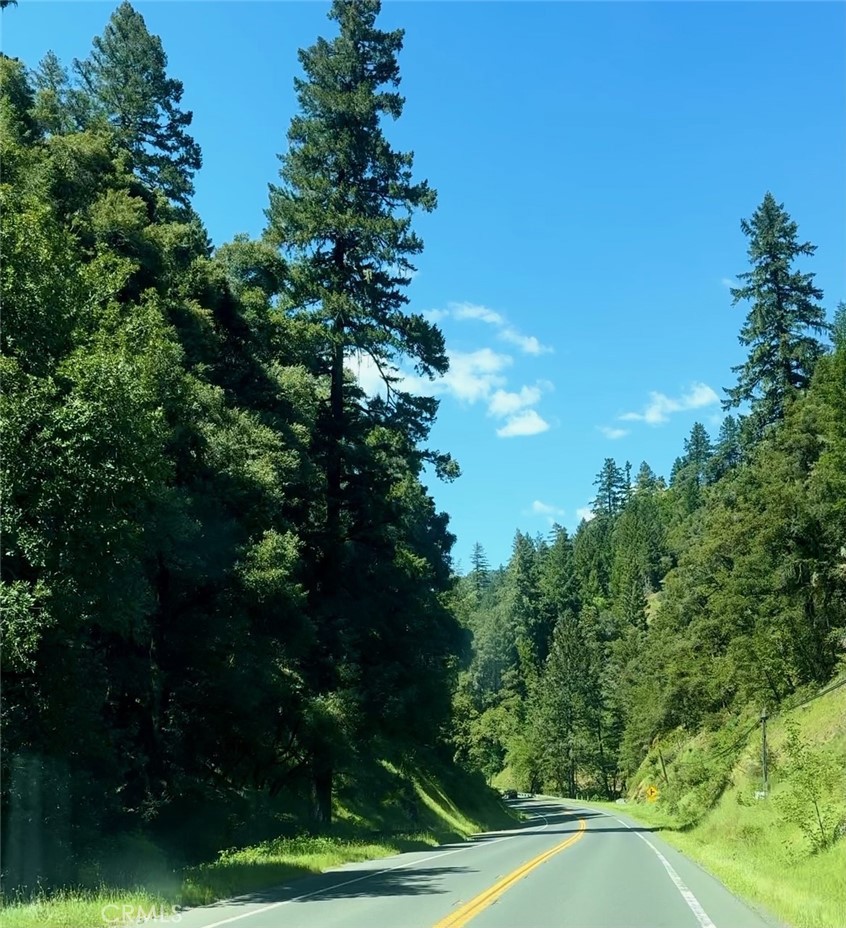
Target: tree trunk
321 786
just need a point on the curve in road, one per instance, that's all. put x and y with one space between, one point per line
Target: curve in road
567 867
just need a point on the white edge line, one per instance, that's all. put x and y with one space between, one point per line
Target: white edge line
367 876
693 903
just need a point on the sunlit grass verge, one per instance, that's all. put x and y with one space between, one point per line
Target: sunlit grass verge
275 862
83 908
235 872
750 851
384 811
760 848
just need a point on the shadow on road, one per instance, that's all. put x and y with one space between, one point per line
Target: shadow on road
557 815
548 819
357 883
405 882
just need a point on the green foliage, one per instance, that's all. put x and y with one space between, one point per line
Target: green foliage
612 489
811 779
126 81
183 639
784 320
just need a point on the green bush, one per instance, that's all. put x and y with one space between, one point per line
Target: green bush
811 778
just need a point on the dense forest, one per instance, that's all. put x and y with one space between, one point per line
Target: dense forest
223 575
221 571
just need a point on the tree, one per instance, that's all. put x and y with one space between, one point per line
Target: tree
343 216
638 546
697 452
838 328
51 110
612 489
784 318
16 98
728 449
126 78
480 573
647 481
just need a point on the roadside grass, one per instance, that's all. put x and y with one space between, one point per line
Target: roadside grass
383 811
81 908
749 844
275 862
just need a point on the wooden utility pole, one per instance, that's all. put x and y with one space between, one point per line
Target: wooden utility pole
764 748
663 767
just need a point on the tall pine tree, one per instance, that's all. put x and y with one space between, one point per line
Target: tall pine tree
342 214
784 319
126 78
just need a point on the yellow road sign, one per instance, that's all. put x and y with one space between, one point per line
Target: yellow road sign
652 793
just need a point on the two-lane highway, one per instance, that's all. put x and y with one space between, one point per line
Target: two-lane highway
567 867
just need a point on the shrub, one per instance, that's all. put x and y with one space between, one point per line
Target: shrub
811 780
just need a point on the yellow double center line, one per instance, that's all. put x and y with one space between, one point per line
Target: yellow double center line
471 909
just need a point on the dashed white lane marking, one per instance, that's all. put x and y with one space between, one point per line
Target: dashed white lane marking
317 892
691 900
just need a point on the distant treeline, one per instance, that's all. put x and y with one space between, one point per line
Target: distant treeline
678 604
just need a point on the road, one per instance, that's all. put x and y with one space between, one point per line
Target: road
567 867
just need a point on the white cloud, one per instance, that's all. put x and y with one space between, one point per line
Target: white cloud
503 403
586 513
612 433
473 375
526 343
473 311
527 422
661 407
545 509
549 512
728 283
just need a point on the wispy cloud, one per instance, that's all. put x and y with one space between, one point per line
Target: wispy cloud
586 513
728 283
528 344
546 509
661 407
473 376
549 512
473 311
527 422
613 433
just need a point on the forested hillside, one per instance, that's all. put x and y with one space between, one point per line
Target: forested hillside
684 603
222 576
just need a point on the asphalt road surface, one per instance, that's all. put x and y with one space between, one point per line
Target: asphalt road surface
566 867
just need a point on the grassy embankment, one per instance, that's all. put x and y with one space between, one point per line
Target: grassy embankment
383 812
760 848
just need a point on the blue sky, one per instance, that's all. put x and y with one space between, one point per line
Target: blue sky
593 162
